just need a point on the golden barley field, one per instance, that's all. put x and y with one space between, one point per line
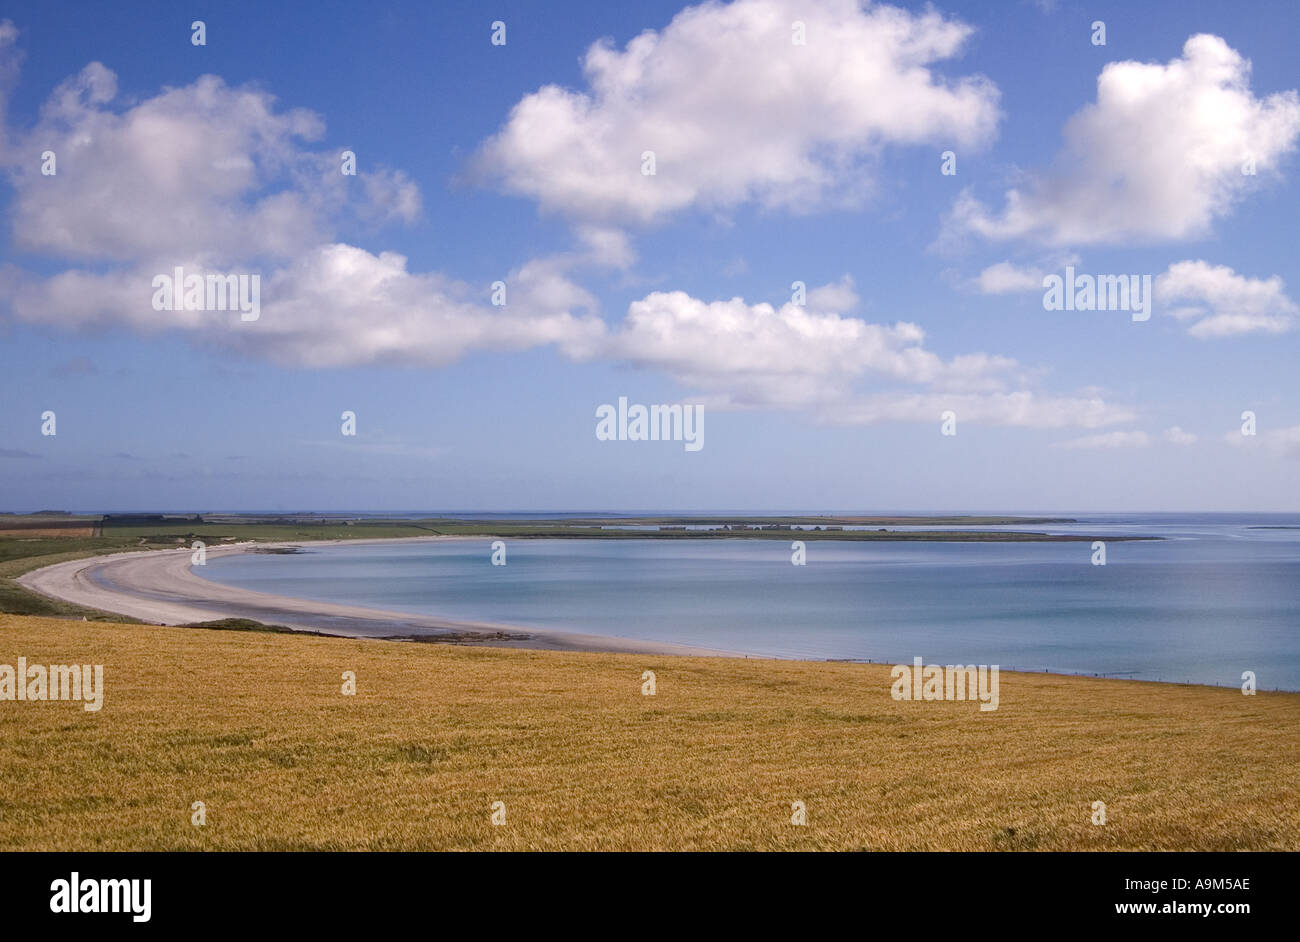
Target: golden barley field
256 727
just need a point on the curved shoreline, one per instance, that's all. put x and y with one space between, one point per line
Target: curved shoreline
158 586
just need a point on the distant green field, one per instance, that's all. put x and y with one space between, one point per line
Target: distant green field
213 533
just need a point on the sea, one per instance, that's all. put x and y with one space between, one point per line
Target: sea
1218 595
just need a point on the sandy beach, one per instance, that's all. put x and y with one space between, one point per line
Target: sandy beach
160 586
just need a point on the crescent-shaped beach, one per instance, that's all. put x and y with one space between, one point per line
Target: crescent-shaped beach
160 587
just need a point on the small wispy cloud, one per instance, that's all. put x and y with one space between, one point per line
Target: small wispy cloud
1007 278
1109 440
1281 441
391 448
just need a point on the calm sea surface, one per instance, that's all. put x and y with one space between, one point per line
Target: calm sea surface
1216 597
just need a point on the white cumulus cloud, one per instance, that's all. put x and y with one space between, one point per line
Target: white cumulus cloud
203 171
843 369
836 297
734 111
1158 156
1222 303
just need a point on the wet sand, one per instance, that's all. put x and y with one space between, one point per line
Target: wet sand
158 586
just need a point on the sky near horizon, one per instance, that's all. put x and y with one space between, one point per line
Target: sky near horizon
1169 151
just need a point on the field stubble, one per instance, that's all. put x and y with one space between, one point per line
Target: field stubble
255 726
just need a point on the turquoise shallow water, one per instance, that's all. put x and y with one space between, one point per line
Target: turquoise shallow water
1216 597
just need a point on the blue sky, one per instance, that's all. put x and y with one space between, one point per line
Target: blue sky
776 163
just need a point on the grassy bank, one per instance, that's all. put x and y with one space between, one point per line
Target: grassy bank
255 726
18 556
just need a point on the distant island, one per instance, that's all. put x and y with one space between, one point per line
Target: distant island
146 529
